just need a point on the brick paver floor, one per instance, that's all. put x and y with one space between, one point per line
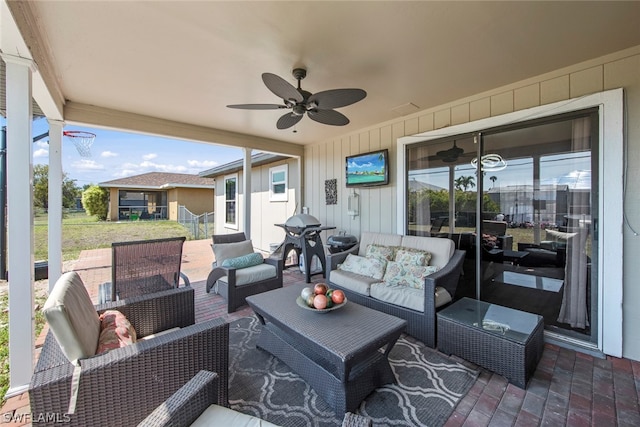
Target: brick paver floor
568 388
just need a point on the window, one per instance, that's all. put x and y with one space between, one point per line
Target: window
230 200
278 184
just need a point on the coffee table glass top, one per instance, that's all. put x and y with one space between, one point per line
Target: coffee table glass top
508 323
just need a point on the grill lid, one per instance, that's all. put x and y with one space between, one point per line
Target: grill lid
342 240
302 221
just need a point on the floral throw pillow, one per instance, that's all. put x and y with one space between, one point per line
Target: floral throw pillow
385 253
370 267
115 331
407 275
412 256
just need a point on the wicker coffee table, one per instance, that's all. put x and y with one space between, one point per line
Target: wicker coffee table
335 352
503 340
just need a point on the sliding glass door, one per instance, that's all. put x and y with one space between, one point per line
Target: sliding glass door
519 199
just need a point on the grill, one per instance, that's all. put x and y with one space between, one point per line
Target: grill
341 242
302 235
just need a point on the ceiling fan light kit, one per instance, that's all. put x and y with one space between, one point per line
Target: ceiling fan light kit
319 106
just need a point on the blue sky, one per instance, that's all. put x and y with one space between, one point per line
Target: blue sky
118 154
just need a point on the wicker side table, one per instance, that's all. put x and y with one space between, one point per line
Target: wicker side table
506 341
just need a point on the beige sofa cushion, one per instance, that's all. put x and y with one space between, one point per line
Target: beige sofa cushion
441 249
352 281
72 317
405 296
367 238
220 416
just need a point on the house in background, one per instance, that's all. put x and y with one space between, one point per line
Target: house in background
275 187
157 195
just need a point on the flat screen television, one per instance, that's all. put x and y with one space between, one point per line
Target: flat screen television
367 169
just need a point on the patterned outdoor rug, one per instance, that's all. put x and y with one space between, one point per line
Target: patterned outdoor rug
429 386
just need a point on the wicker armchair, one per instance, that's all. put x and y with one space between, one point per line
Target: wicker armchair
143 267
192 400
122 386
235 284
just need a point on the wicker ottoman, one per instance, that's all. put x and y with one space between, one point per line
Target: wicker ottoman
506 341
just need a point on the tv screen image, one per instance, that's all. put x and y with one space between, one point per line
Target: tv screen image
368 169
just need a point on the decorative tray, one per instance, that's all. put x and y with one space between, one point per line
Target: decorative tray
304 305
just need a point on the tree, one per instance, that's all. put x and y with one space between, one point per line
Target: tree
41 188
493 179
464 182
96 201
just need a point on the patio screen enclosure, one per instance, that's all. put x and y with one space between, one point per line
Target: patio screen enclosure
518 198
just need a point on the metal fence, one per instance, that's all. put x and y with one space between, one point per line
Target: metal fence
200 226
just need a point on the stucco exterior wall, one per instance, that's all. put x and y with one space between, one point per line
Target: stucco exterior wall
113 204
196 200
264 213
325 160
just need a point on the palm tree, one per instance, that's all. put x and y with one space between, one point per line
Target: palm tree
493 180
464 182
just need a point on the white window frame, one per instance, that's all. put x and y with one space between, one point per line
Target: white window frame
279 197
233 224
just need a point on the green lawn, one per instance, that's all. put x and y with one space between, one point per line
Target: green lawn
80 232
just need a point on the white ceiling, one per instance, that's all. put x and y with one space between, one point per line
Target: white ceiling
186 60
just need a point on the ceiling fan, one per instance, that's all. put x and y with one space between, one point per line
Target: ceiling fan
449 155
319 106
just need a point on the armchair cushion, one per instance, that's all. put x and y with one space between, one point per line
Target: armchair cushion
223 251
244 261
253 274
72 317
115 331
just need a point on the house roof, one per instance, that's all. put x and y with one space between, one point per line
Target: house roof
235 166
161 181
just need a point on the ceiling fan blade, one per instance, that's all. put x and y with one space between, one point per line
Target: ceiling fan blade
337 98
328 117
282 88
257 106
287 121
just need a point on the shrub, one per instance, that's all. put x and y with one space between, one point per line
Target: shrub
96 201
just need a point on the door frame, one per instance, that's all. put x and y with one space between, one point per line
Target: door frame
610 202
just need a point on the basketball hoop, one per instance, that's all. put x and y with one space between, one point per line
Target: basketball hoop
82 140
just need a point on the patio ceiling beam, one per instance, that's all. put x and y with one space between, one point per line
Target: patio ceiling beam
90 115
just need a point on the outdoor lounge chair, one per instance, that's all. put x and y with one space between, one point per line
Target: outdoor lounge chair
195 403
238 272
121 386
143 267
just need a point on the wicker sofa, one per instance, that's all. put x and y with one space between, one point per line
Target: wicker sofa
120 387
438 290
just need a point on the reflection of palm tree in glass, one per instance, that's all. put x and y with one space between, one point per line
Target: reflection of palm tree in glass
381 160
464 182
493 180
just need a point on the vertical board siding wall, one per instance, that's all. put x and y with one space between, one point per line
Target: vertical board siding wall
325 160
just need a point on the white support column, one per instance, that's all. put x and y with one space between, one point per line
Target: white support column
301 187
246 191
20 221
55 201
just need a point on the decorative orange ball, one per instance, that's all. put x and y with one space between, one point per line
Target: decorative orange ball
337 296
320 288
320 302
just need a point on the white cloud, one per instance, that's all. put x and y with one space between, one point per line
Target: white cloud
149 156
202 163
108 154
42 152
43 144
86 165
